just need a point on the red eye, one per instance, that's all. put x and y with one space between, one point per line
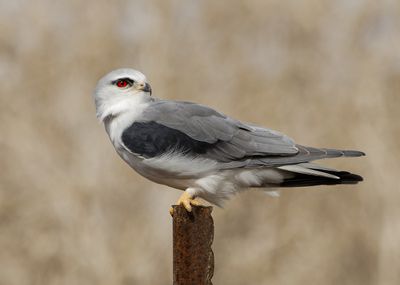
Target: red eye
122 83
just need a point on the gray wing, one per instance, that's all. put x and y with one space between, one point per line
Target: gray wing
305 154
231 142
231 139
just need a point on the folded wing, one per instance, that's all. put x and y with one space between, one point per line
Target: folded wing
197 130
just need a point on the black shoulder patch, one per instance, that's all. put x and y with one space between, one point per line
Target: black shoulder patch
150 139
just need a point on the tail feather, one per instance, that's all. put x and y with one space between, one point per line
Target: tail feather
299 168
311 174
301 180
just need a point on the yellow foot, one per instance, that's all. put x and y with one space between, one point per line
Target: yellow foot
187 201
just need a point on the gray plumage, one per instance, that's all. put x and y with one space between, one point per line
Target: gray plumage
234 141
193 147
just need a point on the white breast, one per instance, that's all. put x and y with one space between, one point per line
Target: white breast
122 116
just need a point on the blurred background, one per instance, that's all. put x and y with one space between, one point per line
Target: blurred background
325 72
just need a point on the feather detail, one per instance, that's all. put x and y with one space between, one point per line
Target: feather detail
303 170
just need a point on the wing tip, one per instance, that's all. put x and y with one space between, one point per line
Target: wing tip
353 153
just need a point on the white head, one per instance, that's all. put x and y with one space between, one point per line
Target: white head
118 90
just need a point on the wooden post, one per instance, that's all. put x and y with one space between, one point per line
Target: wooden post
193 235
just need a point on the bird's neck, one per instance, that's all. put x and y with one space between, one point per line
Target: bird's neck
119 105
120 115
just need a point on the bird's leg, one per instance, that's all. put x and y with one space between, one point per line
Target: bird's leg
187 200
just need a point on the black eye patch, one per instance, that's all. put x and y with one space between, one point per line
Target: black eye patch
127 79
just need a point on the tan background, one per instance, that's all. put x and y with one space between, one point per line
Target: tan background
325 72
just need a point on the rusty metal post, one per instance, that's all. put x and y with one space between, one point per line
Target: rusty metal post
193 235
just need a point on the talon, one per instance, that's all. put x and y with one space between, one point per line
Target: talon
186 200
186 204
196 202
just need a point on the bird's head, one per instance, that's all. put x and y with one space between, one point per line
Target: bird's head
120 89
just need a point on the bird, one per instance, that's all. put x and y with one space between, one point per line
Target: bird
205 153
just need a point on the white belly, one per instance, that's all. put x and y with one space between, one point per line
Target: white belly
209 182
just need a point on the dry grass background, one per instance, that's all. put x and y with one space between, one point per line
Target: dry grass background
325 72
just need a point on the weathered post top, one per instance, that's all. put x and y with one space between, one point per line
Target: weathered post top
193 235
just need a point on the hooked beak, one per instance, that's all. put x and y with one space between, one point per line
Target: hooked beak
146 88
